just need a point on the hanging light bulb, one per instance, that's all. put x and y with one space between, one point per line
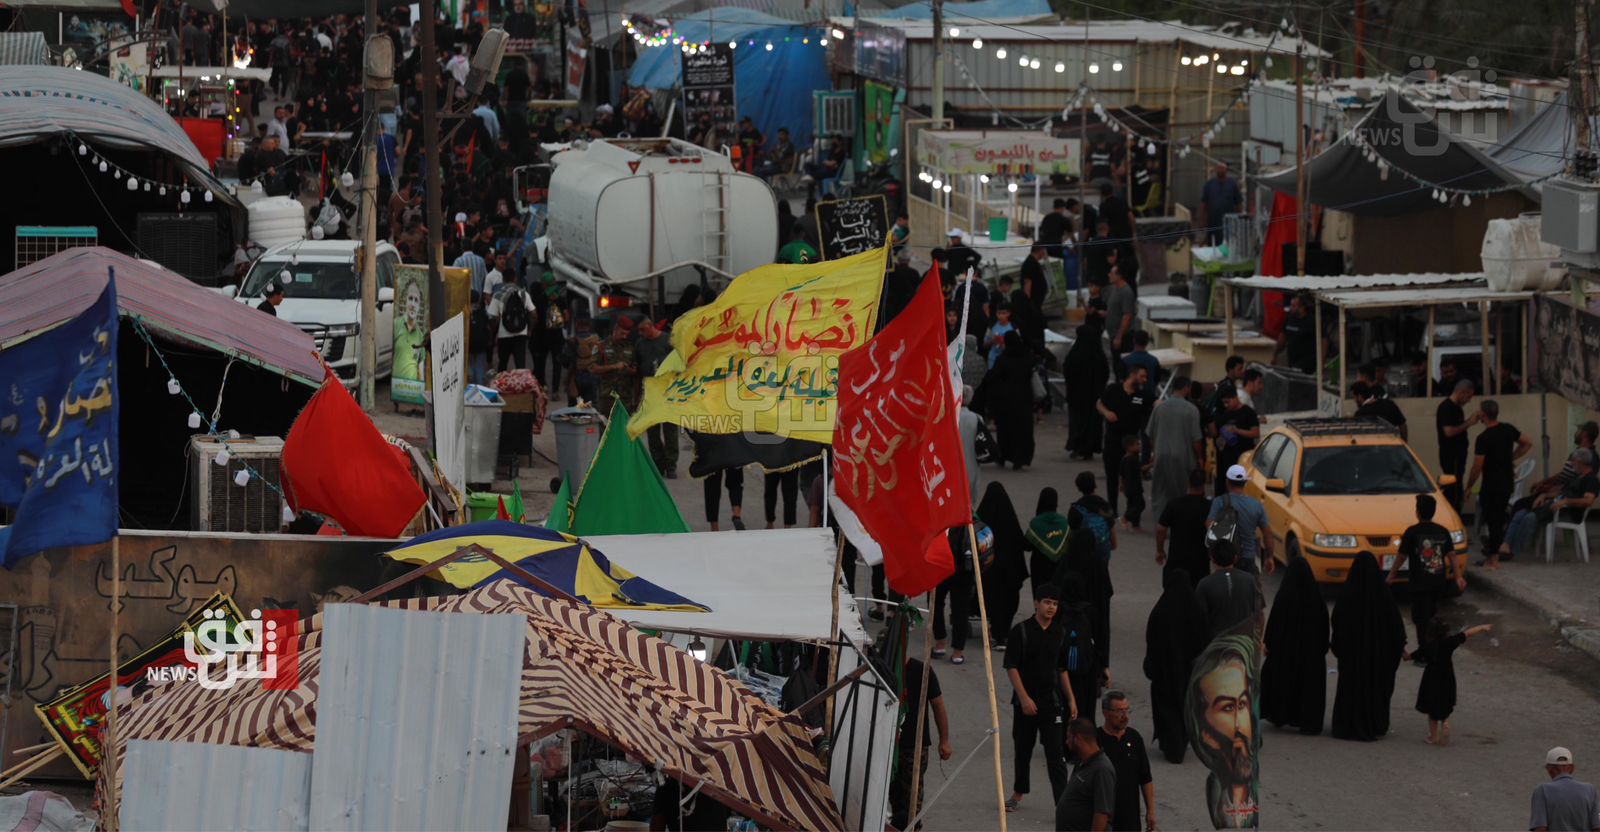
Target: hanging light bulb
208 196
1116 66
1238 70
998 53
173 388
1267 62
697 649
83 150
1011 187
1033 63
184 197
1216 56
241 479
838 34
733 44
955 32
1094 69
1222 69
133 184
103 166
288 515
1186 60
1061 67
938 184
194 421
1150 148
147 187
347 179
977 43
946 188
983 178
1466 199
769 46
823 41
1022 61
222 457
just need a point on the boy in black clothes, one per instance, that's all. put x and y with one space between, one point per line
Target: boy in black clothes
1132 481
1427 550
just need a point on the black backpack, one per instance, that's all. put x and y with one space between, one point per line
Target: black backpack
1226 526
514 311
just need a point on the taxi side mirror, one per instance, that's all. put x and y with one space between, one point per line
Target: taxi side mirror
1447 480
1278 485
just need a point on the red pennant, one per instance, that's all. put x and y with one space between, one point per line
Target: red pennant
502 514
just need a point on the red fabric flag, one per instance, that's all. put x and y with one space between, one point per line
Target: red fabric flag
900 470
502 514
336 463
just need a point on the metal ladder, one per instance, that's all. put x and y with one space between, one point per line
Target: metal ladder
715 218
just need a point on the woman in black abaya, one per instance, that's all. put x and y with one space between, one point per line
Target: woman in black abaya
1006 397
1174 635
1368 639
1087 373
1077 614
1082 558
1294 677
1003 578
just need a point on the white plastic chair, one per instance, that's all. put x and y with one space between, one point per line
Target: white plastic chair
1580 534
1519 489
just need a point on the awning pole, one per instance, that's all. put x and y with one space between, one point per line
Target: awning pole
988 669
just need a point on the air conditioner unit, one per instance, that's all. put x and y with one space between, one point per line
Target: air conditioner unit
219 503
835 113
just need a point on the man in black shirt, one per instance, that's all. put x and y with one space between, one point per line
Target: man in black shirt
1036 663
1181 531
1370 406
1299 337
1087 801
1451 424
1496 450
1427 550
1238 428
1054 228
1125 408
901 811
269 304
1228 595
1125 749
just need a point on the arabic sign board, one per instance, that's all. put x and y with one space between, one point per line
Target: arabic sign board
577 59
998 152
449 403
1567 345
852 226
708 90
880 53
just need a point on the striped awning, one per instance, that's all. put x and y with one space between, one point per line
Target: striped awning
24 48
584 669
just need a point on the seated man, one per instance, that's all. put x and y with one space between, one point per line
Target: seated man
1578 494
780 159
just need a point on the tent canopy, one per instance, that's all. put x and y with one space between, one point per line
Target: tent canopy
1409 140
24 48
581 668
766 585
1539 149
772 87
60 287
991 11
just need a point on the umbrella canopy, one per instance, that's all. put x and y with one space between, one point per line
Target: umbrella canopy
563 561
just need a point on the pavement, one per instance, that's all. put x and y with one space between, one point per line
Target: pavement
1564 594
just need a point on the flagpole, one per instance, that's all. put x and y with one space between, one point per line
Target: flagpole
108 756
836 643
922 713
988 675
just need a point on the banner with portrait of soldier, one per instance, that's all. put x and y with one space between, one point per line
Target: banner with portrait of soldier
1223 723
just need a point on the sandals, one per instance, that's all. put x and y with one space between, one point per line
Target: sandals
939 652
1011 805
958 659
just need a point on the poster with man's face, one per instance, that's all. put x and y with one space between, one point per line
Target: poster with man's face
1222 718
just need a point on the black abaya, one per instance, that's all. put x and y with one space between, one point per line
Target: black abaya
1003 579
1294 677
1082 558
1368 639
1006 397
1087 374
1173 637
1077 614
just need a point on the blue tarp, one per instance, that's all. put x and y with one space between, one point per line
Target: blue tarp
773 88
988 11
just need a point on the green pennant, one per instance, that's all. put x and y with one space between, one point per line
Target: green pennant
560 519
624 493
514 507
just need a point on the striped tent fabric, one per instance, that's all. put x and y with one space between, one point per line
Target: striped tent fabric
582 668
23 48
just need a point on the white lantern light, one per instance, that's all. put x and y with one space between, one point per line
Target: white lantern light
1267 62
103 166
977 43
194 421
998 53
173 388
116 174
347 179
1011 187
983 178
147 187
1022 61
769 46
1061 67
955 32
222 457
1094 69
317 233
1033 64
242 478
733 44
1186 60
1222 69
184 197
838 34
133 184
947 188
1238 70
1466 199
823 41
937 184
1116 66
288 515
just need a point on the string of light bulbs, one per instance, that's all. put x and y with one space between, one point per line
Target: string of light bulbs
135 182
662 34
1440 191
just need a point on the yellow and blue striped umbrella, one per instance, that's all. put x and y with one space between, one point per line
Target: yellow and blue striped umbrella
563 561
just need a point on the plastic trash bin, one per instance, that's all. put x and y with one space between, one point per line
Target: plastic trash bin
998 229
483 505
578 432
482 426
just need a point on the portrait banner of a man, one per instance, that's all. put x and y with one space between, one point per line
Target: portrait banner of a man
1223 721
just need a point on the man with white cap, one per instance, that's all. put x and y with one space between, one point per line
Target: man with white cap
1237 517
1563 804
958 256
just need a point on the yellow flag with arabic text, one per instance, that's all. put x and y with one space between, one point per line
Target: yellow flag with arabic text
764 356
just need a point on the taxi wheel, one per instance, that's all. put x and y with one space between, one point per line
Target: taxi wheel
1291 549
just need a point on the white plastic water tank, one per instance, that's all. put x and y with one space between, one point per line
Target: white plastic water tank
1516 260
276 220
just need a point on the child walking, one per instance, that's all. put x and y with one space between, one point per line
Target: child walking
1437 695
1132 477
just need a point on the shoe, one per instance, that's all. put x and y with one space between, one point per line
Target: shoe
738 523
876 613
958 659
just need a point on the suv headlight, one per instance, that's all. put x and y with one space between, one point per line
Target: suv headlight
1334 541
1458 537
346 331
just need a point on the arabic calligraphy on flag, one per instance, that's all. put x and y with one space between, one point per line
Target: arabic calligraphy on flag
58 434
764 357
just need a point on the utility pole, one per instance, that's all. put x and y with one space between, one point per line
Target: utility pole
1583 156
368 209
1360 38
938 60
1300 158
437 300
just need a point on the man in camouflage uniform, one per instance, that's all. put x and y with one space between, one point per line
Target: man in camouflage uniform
617 368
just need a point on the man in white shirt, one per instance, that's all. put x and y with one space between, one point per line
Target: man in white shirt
491 122
512 325
279 126
496 276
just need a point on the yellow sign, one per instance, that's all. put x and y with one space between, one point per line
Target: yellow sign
764 357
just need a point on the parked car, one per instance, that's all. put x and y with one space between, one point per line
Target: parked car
322 295
1334 488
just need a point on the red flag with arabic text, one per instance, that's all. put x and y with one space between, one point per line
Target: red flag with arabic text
900 474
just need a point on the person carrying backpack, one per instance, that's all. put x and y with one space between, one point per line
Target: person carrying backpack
1235 518
1099 516
514 309
480 341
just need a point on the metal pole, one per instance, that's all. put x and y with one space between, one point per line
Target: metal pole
109 816
922 709
368 369
1172 128
1344 363
938 59
1489 375
438 301
1316 305
988 676
1300 176
1583 156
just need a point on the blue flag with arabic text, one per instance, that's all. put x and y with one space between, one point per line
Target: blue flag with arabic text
58 434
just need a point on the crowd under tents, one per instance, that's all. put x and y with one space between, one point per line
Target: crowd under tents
582 669
55 126
257 369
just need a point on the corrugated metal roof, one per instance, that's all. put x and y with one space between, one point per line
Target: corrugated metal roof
61 286
192 785
1420 297
1107 31
416 719
1350 281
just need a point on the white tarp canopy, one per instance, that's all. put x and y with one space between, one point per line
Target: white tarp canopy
767 584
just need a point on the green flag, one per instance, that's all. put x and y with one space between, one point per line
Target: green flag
624 492
560 519
514 506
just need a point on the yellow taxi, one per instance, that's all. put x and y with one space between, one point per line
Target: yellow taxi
1334 488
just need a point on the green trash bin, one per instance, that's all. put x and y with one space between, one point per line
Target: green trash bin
998 226
481 505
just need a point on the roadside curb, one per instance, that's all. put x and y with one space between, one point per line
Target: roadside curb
1575 629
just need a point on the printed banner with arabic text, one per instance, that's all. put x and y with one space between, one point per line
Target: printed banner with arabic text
764 357
998 152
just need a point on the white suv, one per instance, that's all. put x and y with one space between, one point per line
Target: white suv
322 295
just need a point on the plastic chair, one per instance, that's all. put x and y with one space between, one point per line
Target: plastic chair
1580 534
1519 489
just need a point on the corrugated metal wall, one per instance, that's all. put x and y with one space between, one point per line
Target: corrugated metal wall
190 785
